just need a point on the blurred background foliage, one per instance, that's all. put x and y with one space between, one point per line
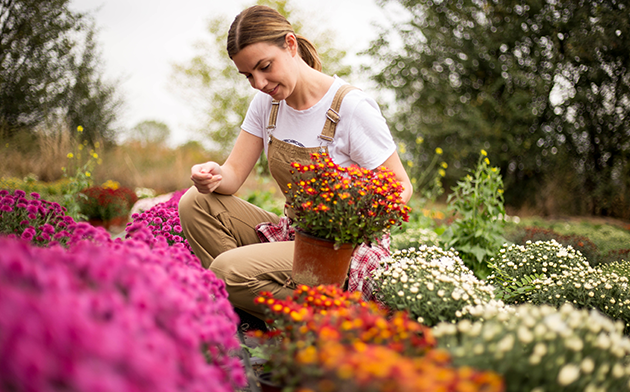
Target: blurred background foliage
543 86
50 72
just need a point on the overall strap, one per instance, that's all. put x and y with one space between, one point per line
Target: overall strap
332 115
273 117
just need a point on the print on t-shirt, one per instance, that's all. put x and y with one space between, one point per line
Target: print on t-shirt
295 142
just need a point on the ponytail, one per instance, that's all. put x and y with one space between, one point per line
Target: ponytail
308 53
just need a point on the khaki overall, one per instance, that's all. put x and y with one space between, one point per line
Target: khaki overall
215 224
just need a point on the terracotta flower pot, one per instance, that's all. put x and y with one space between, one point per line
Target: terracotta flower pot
316 261
113 222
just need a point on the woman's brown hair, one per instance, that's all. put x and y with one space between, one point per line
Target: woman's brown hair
264 24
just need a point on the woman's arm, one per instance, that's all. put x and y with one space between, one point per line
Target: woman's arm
227 178
394 164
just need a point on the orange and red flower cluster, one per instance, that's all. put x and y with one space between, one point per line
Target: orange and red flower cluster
345 204
327 313
332 340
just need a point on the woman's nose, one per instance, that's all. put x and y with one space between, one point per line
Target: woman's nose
258 82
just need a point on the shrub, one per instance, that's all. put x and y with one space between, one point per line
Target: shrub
431 284
580 243
517 266
111 317
541 348
548 273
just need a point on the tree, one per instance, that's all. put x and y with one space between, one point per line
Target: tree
221 92
150 132
542 85
50 67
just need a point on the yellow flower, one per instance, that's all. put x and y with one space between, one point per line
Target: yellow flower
109 184
95 155
487 161
444 165
80 147
484 153
70 155
410 163
97 145
419 140
80 128
439 151
88 174
442 172
401 147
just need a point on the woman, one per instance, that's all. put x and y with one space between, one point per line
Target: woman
289 118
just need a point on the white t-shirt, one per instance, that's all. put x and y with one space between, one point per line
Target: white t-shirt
362 136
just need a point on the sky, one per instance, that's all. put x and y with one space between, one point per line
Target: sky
140 40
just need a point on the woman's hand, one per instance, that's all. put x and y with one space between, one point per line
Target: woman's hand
206 176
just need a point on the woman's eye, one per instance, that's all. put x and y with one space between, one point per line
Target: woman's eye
266 67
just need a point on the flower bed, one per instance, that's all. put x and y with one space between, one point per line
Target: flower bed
84 312
541 348
114 316
545 272
333 341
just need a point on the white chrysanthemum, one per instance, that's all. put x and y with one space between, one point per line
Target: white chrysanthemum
568 374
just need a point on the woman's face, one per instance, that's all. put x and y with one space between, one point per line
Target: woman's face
269 68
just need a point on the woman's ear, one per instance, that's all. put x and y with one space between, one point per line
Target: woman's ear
291 43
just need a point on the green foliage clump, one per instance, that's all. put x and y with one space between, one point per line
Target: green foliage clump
266 200
433 285
30 184
477 205
541 348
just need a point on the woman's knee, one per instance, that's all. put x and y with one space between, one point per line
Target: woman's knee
186 204
223 265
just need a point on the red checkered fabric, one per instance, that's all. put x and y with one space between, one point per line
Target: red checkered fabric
365 258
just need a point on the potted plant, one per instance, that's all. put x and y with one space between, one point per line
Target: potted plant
335 209
108 204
